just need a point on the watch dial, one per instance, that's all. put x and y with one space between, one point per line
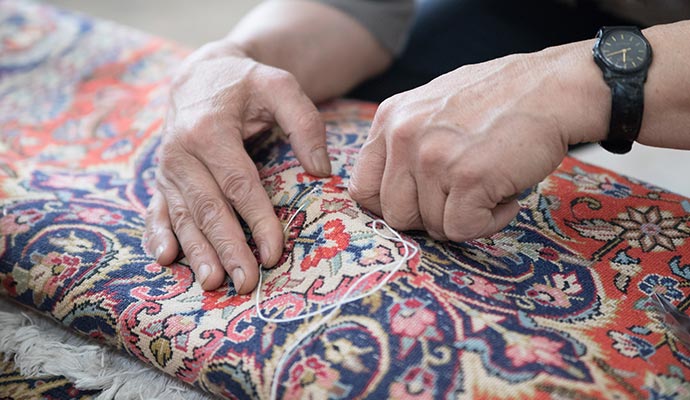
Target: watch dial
626 51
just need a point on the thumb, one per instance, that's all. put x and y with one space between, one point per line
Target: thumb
295 113
367 174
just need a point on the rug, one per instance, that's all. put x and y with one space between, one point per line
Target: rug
16 386
559 304
43 360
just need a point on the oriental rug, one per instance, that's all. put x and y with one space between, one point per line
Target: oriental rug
557 305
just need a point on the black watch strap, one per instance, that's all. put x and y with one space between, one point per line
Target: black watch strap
624 56
627 107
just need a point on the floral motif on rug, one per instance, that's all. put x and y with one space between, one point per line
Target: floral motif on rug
558 304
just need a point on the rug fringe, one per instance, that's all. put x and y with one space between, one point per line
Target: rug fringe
42 348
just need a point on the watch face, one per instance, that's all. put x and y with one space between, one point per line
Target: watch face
624 50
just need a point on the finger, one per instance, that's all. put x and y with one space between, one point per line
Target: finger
399 199
295 113
469 216
432 201
200 255
218 223
239 182
161 241
367 174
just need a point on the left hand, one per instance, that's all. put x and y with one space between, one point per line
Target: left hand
450 157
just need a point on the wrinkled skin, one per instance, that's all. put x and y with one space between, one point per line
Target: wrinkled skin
450 157
207 181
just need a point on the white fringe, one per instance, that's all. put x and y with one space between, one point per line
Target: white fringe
40 347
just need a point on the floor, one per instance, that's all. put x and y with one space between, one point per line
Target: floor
191 23
195 23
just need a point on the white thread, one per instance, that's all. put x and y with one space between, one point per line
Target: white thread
331 309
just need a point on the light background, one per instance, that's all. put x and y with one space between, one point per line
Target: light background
194 23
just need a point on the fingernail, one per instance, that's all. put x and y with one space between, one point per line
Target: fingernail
265 253
202 273
159 250
321 161
237 278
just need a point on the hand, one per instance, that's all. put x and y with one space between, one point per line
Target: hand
451 156
206 180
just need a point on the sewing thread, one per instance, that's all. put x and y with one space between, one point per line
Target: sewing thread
329 311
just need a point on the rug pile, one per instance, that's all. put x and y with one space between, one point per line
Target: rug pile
557 305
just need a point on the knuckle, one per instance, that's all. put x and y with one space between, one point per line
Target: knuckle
197 250
188 139
308 121
237 186
387 107
399 219
468 174
206 212
403 133
461 230
275 79
267 227
227 250
359 193
430 155
168 157
180 218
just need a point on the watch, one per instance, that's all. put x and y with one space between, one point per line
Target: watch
624 56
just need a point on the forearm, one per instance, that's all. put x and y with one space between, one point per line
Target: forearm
666 121
666 118
327 51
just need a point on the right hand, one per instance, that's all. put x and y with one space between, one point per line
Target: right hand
206 180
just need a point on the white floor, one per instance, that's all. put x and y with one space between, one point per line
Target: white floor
194 23
191 23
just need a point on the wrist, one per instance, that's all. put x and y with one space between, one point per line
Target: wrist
586 113
667 98
584 98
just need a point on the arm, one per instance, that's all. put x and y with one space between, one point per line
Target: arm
283 56
451 156
667 91
326 50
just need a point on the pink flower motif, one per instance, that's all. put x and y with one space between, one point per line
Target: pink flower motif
19 222
178 324
548 295
379 255
417 384
475 283
411 319
99 216
312 378
9 225
535 349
